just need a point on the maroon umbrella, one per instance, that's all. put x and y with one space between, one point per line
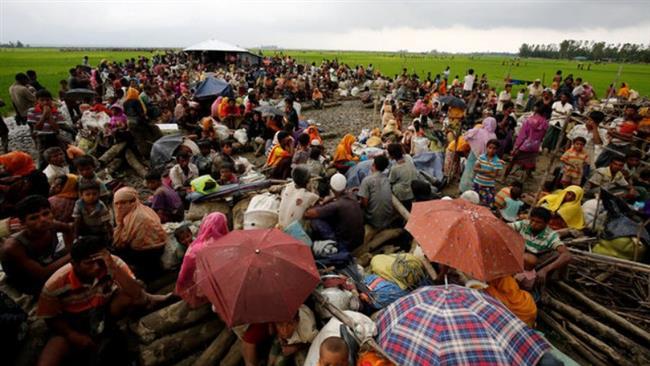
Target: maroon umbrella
256 276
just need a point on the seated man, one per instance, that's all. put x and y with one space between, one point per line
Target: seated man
81 301
31 256
165 201
376 198
612 179
338 218
295 198
543 242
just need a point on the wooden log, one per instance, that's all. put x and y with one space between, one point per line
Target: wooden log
178 345
234 356
600 329
605 313
133 161
217 349
112 152
593 341
584 351
377 241
189 360
621 263
162 281
168 320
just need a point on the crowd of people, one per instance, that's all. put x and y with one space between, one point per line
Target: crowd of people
78 240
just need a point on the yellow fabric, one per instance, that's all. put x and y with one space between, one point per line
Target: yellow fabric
518 301
406 274
463 146
344 149
137 226
134 94
276 155
620 248
570 212
70 189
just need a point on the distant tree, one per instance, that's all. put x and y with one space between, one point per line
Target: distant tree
19 44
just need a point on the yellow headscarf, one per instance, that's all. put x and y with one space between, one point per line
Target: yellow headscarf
570 212
344 149
134 94
518 301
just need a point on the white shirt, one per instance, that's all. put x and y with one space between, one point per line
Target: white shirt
293 204
560 113
535 91
504 96
468 85
53 171
179 178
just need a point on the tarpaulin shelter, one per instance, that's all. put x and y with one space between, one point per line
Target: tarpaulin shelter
211 87
214 50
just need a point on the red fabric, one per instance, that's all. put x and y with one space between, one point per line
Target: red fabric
256 333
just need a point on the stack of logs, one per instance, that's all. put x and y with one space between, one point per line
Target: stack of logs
179 335
602 309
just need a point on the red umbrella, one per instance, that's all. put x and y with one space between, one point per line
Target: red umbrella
467 237
256 276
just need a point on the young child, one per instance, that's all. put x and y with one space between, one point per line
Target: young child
574 161
183 172
165 201
85 166
526 279
314 163
301 155
293 337
56 165
519 102
184 237
227 174
512 204
333 352
91 216
118 121
487 169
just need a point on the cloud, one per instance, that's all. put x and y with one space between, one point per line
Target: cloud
457 26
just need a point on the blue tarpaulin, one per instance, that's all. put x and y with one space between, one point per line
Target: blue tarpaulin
212 88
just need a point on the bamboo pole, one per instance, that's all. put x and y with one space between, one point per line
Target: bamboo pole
604 312
620 263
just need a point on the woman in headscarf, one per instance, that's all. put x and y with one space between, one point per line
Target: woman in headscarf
518 301
279 158
63 196
133 106
213 227
17 163
139 238
566 206
528 141
343 156
477 139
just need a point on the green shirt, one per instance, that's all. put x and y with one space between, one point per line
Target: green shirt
544 241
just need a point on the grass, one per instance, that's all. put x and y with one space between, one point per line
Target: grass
51 65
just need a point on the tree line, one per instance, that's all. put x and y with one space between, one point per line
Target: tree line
18 44
590 50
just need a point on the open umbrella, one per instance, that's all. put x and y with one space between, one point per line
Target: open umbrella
212 87
80 94
268 110
452 101
163 149
256 276
453 325
467 237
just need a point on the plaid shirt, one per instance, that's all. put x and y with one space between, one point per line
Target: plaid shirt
544 241
64 293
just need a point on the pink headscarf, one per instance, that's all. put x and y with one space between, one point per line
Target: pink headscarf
213 227
478 137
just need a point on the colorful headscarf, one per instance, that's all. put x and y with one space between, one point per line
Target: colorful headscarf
137 225
344 149
213 227
17 163
570 212
478 137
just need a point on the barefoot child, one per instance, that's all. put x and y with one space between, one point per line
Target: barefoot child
487 168
574 161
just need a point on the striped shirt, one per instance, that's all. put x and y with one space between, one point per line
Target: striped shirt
492 165
544 241
574 163
64 293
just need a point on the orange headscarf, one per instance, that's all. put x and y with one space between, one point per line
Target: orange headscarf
134 94
344 149
137 225
17 163
276 155
70 189
518 301
312 131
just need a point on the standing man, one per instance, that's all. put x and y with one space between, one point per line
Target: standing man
468 83
534 94
22 97
31 74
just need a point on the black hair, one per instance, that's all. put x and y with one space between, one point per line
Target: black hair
31 74
634 154
30 205
47 154
617 158
228 143
508 104
493 142
183 155
303 139
597 116
153 175
645 174
86 246
227 166
43 93
517 184
179 230
580 138
300 176
395 151
380 162
282 135
541 213
87 185
314 153
20 77
204 144
84 160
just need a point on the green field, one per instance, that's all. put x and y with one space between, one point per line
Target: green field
51 66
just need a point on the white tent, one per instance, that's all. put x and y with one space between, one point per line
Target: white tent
215 45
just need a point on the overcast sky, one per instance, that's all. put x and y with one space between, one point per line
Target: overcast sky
453 26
